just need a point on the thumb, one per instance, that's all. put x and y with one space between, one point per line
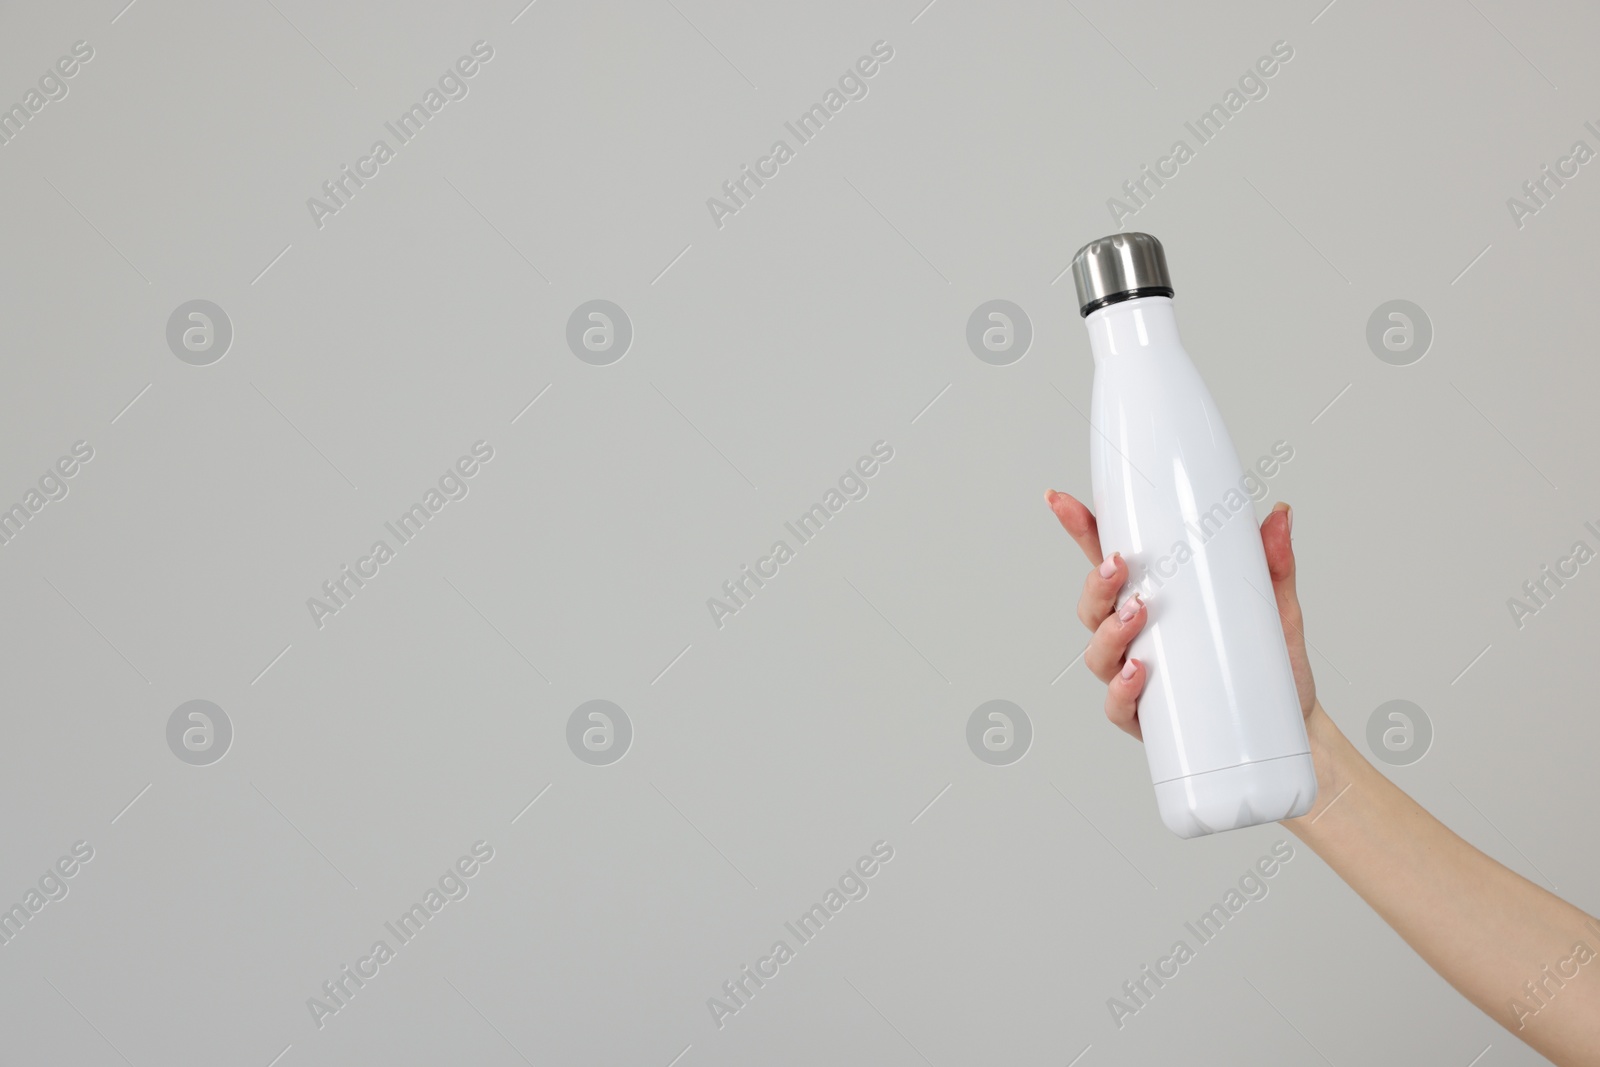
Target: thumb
1275 540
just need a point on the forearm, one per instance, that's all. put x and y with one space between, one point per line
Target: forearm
1500 940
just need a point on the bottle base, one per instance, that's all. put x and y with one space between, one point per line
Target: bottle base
1235 797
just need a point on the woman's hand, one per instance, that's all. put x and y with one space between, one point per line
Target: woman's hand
1486 929
1113 630
1107 654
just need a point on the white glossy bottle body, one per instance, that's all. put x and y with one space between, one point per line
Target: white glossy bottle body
1223 729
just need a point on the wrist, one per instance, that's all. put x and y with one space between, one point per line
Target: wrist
1337 765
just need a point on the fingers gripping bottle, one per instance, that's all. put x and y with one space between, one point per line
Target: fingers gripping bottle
1220 714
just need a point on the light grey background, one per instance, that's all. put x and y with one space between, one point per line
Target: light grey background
767 356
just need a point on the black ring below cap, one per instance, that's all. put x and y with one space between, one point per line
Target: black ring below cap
1127 294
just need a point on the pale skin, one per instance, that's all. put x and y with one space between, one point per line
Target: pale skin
1485 929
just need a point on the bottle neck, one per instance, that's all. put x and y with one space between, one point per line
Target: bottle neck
1143 324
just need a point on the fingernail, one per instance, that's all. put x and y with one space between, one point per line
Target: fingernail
1288 522
1129 667
1130 609
1108 566
1050 496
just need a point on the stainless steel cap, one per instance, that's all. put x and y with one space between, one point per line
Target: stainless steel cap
1119 267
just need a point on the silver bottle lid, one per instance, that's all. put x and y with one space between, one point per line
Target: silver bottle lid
1119 267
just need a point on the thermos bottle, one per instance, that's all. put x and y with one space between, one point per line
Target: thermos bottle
1220 715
